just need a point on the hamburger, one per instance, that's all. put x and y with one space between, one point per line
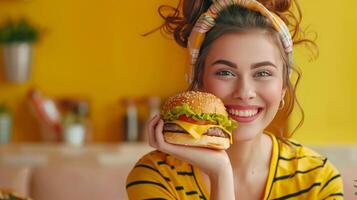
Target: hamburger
197 119
6 194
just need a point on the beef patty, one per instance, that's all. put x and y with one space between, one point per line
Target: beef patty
214 131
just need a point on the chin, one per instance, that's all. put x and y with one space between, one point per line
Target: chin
242 134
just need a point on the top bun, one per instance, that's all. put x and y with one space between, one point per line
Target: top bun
199 102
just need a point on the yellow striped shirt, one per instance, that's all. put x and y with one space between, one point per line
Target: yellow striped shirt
295 173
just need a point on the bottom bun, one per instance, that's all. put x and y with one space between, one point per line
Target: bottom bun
211 142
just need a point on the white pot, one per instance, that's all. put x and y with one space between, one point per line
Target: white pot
74 134
5 128
18 60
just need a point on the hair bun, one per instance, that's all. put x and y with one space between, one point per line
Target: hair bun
277 5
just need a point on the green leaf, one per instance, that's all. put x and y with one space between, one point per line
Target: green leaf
184 109
19 31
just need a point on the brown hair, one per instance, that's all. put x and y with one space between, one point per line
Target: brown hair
179 22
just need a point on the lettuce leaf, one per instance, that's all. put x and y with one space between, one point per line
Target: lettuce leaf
184 109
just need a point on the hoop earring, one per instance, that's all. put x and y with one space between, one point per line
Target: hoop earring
281 104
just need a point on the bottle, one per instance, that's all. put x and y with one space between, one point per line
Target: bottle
5 125
82 111
131 125
154 106
75 121
74 130
48 115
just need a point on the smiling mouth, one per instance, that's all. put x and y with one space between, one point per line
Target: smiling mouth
244 113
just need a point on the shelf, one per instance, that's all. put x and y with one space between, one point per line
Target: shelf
39 154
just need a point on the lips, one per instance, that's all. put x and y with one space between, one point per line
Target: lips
244 113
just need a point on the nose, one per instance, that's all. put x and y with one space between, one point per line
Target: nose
244 90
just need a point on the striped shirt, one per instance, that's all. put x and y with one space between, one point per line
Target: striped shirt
295 173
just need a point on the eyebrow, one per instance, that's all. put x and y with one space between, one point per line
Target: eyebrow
253 66
264 63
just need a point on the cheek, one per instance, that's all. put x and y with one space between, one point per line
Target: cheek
271 93
219 88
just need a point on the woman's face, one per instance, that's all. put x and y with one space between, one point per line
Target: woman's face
246 72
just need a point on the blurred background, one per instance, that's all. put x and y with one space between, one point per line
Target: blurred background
90 77
96 51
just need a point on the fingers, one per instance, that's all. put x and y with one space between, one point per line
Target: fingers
159 134
150 129
155 131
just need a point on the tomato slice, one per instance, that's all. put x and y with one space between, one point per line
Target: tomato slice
193 121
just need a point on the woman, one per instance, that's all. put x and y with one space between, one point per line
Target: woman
241 52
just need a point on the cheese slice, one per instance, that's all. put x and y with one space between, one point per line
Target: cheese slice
197 130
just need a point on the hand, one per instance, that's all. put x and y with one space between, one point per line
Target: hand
210 161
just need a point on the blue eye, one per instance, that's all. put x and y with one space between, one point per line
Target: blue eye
263 74
224 73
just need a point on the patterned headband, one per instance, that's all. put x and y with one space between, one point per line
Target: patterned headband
207 21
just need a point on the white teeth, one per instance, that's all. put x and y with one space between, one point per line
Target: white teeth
243 113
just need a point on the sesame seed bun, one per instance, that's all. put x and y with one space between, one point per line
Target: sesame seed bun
199 102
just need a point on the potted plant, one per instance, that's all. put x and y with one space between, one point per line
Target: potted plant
17 38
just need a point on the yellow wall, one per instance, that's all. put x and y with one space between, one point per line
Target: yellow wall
94 49
328 90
